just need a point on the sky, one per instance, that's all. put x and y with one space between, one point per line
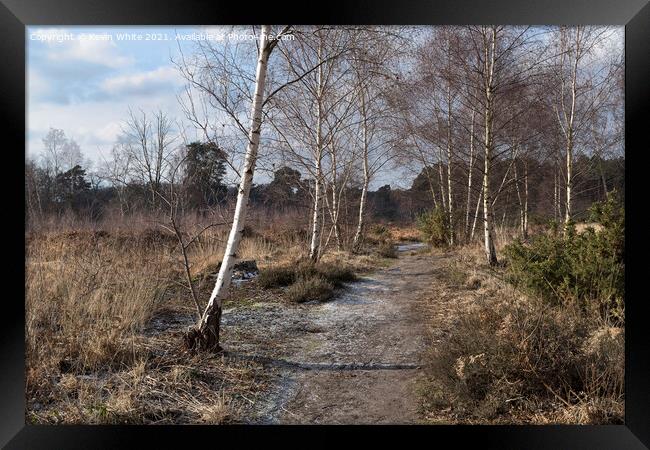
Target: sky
85 86
84 79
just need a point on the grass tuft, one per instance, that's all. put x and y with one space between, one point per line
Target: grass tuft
387 249
307 288
273 277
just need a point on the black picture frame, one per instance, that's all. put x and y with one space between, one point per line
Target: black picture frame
15 15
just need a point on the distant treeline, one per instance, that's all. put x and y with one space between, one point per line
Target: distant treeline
202 187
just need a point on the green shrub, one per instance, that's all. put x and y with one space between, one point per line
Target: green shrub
305 267
434 227
586 270
306 288
380 231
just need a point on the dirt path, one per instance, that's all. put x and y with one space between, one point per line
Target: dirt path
374 338
352 360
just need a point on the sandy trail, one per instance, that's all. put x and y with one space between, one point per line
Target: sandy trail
353 360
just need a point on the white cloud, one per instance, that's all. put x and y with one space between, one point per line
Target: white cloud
71 46
109 132
86 87
94 125
142 83
37 86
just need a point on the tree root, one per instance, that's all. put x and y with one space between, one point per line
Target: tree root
204 337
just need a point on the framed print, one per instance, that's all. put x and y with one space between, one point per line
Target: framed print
405 215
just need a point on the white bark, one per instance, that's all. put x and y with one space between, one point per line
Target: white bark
567 121
525 199
366 174
314 247
488 225
209 323
522 200
443 194
476 213
570 132
334 213
450 202
556 197
314 243
469 174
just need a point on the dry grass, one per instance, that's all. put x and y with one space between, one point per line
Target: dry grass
164 389
387 250
582 227
506 358
405 233
99 347
473 254
86 296
312 287
90 295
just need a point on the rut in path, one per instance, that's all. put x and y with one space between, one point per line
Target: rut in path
359 359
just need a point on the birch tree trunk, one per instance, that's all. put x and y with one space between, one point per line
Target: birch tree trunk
314 247
205 336
366 176
319 253
427 172
556 197
525 199
476 213
443 194
315 235
358 236
488 225
569 128
335 201
569 144
469 176
450 202
523 202
602 179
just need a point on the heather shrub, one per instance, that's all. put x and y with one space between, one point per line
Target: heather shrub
434 227
585 270
387 250
502 359
306 288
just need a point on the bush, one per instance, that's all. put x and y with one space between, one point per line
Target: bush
276 277
381 231
303 270
306 288
335 274
434 227
586 270
507 359
387 250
